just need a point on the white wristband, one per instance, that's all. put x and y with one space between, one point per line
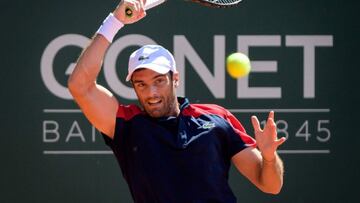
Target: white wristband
110 26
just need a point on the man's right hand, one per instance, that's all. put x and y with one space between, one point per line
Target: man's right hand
137 8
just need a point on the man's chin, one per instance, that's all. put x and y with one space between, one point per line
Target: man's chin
155 113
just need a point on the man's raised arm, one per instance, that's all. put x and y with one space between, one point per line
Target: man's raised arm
97 103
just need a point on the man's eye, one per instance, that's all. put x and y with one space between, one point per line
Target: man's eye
140 85
158 81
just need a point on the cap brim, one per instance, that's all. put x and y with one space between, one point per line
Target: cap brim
153 67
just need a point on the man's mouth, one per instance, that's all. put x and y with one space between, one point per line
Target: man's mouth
153 102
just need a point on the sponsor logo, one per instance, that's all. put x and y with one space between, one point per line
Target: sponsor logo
141 58
208 125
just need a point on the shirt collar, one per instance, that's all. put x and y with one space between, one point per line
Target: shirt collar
183 102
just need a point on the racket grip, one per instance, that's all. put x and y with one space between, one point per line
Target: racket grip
128 12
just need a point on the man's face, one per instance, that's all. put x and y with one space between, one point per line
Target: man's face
156 92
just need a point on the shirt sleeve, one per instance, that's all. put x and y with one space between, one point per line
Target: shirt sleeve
238 138
124 114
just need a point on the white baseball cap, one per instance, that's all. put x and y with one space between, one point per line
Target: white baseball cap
153 57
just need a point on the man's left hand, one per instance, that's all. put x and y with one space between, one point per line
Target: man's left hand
267 140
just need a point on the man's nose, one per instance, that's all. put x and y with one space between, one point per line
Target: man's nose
153 91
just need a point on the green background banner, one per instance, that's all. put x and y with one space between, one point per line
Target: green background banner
304 57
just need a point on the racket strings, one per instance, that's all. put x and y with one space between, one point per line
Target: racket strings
225 2
220 2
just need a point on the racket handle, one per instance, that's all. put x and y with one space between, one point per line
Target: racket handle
128 12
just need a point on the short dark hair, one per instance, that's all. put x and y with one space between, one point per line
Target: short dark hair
171 74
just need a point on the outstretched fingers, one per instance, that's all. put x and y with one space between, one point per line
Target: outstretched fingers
270 123
256 124
271 115
280 141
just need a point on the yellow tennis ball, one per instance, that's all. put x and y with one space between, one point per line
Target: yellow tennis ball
238 65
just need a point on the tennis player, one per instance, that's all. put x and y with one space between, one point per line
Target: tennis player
168 149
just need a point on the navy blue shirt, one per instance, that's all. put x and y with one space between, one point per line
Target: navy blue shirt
178 159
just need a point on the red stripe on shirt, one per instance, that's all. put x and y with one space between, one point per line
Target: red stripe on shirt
127 112
197 110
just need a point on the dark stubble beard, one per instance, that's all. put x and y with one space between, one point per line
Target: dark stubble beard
170 107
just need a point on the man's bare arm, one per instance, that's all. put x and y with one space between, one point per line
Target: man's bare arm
262 166
267 176
97 103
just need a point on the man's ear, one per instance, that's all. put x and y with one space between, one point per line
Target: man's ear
176 79
176 83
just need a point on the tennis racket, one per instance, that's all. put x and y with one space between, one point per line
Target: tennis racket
211 3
